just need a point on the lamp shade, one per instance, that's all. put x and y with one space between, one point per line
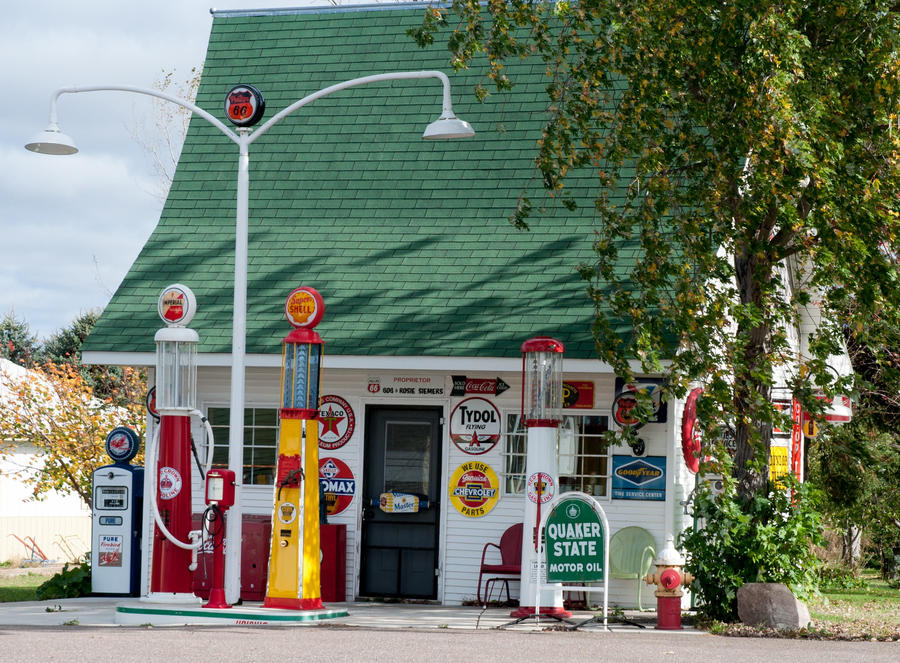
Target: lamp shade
542 381
448 127
51 141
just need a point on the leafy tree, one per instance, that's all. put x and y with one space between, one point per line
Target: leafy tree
17 343
858 465
64 346
745 157
54 409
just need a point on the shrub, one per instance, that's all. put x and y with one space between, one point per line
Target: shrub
67 584
766 539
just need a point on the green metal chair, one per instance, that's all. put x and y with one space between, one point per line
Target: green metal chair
631 553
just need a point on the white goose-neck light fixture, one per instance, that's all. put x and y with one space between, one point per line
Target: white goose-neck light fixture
53 141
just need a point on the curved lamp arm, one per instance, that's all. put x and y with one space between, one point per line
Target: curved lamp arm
221 126
446 109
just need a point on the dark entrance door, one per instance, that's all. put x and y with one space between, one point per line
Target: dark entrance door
403 455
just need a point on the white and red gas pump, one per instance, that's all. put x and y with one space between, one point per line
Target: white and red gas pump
541 413
219 498
175 544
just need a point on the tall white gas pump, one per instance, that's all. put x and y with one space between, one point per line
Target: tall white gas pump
118 502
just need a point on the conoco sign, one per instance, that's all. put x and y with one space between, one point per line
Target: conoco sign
475 425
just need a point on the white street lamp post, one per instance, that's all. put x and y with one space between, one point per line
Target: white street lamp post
53 141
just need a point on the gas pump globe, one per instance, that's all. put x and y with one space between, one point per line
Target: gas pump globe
541 413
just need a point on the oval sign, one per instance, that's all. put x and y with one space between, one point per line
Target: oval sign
475 425
244 105
474 489
690 432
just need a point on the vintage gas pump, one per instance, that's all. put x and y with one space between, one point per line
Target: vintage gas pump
294 569
219 498
175 544
541 413
116 518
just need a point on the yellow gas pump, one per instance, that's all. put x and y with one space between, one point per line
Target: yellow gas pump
294 571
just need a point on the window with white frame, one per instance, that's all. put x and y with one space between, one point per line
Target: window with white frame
582 452
260 442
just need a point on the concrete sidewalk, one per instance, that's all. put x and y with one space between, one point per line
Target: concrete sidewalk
105 611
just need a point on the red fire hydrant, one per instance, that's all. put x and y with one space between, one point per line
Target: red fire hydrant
669 578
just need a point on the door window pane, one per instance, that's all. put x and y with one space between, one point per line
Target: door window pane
407 457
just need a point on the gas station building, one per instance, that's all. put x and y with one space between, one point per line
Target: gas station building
429 294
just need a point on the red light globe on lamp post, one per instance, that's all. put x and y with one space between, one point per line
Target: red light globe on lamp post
541 412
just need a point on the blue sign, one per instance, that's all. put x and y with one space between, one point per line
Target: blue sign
639 478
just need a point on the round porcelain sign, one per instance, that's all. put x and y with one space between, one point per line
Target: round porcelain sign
475 425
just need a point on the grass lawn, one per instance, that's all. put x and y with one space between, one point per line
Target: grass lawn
872 610
21 587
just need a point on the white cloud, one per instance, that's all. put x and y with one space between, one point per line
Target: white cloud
70 227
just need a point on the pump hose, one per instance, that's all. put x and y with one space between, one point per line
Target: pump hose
152 463
212 515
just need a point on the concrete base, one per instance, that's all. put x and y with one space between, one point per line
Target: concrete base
161 615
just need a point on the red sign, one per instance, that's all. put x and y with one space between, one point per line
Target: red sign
578 395
304 307
796 439
336 422
244 105
338 484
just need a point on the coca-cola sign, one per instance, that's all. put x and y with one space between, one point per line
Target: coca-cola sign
475 425
463 385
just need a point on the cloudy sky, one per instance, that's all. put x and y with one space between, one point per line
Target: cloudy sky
70 227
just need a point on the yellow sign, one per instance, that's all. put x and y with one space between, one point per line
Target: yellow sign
778 464
810 427
474 489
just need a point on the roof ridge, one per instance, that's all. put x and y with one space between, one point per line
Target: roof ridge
323 9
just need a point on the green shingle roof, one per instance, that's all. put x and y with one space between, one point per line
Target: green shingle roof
407 240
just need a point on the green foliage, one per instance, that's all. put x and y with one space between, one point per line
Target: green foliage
69 583
857 467
766 539
17 343
725 142
840 577
64 346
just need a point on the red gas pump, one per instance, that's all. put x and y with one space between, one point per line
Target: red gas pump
219 497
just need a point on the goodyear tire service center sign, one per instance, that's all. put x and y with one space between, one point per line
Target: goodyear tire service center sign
576 541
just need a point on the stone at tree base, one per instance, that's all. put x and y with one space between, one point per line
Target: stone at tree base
771 604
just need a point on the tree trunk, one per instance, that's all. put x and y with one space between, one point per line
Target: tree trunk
750 392
850 546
